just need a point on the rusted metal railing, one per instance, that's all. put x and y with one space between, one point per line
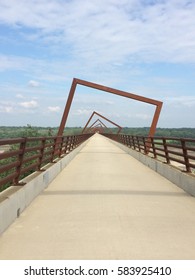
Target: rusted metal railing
21 156
167 149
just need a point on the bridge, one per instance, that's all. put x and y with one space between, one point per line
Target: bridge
98 195
101 199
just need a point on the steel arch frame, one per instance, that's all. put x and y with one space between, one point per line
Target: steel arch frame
76 82
98 114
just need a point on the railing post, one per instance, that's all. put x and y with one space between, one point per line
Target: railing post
153 147
166 150
145 148
56 145
130 141
41 153
20 159
185 155
133 142
61 147
66 145
138 143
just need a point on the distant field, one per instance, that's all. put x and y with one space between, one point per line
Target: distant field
30 131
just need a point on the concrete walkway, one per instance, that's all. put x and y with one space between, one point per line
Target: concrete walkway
104 205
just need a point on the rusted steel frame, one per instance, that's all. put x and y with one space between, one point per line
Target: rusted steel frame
98 114
96 122
98 125
101 123
96 129
76 82
103 126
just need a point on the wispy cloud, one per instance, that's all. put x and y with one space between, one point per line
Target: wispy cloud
111 42
33 83
6 109
20 96
181 101
106 31
54 109
29 104
80 112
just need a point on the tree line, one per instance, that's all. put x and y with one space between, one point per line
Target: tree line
31 131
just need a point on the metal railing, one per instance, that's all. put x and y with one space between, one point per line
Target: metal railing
20 157
169 150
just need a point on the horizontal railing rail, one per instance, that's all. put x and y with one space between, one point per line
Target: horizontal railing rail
167 149
23 156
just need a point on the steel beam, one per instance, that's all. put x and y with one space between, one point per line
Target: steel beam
76 82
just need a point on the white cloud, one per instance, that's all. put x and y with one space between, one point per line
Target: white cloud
115 43
55 109
6 109
20 96
181 101
29 104
80 112
32 83
143 116
109 31
10 63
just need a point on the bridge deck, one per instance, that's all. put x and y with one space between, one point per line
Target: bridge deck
104 205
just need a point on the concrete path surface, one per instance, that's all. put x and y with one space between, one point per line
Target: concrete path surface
104 205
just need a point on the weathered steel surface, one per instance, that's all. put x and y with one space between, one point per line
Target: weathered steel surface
76 82
98 114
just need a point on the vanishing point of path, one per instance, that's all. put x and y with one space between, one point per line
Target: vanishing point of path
104 205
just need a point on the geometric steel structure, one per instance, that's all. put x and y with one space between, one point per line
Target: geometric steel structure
76 82
101 125
95 113
99 128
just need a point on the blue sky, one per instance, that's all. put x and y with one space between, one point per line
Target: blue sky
143 47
